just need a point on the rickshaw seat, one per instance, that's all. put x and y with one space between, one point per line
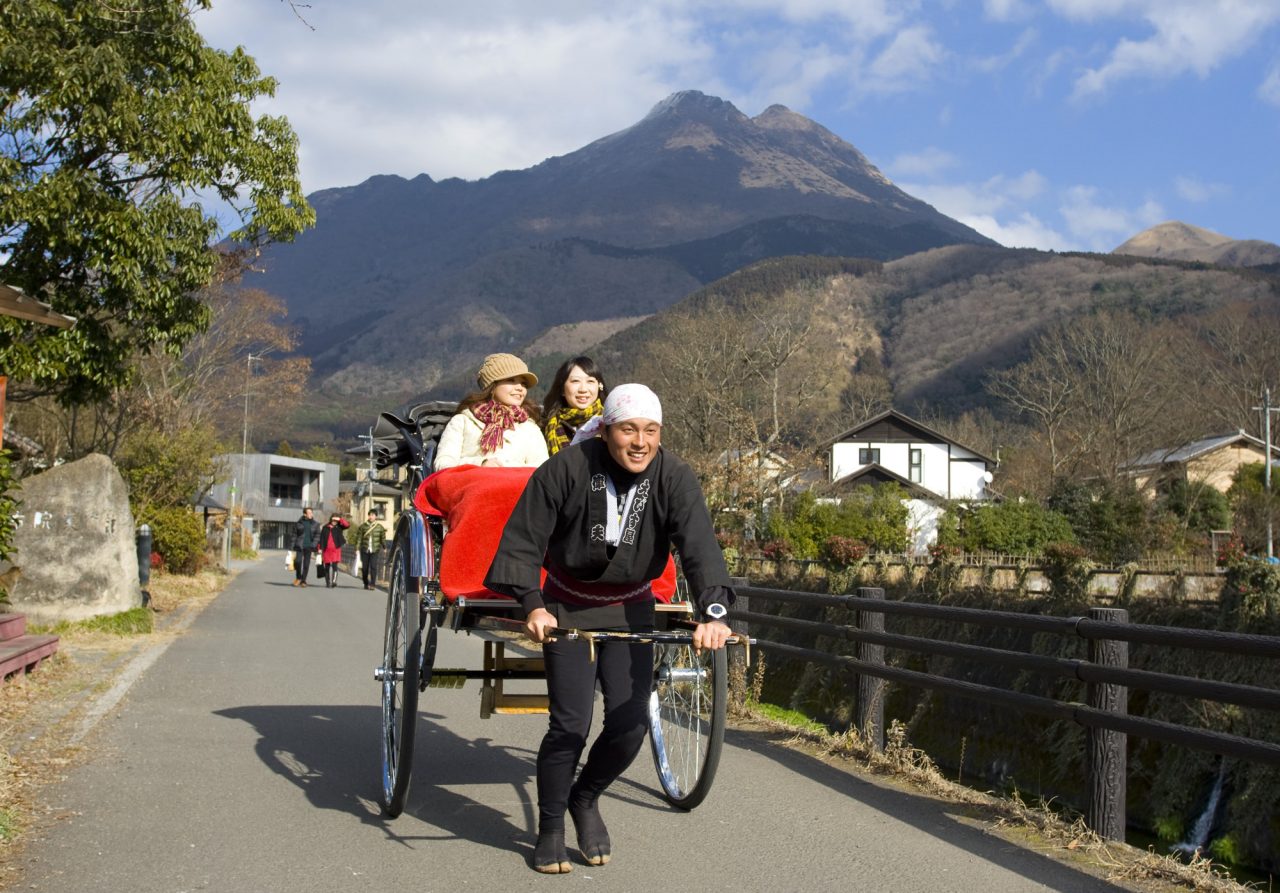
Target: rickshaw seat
476 503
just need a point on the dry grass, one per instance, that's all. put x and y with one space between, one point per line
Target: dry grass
39 710
1038 828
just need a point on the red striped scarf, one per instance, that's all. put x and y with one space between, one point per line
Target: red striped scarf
497 418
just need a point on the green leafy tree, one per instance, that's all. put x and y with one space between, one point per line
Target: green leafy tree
1012 527
1201 506
874 516
1110 520
167 470
1254 506
114 120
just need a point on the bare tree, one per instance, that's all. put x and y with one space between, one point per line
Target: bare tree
736 382
1043 389
1101 391
204 386
1231 360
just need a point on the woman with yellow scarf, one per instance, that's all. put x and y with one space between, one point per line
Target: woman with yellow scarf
576 395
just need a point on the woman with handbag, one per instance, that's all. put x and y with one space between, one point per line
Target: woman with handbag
332 539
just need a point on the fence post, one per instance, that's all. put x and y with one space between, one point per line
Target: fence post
1108 759
871 688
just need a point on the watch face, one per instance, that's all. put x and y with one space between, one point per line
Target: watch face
716 611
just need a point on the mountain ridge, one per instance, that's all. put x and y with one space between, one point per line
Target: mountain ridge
405 281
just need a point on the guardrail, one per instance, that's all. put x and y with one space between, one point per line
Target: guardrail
1105 672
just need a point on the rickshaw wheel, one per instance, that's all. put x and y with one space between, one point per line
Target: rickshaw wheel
401 671
686 720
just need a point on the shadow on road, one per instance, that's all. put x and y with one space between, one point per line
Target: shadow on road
951 823
332 755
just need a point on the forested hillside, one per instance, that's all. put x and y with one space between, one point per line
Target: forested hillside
790 352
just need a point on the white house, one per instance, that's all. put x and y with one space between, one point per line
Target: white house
932 468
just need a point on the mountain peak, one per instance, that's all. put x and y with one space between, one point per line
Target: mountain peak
1176 240
694 104
779 117
1172 236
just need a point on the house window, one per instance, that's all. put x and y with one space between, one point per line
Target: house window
916 461
867 456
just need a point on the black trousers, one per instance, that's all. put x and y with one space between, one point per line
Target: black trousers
369 567
625 673
302 563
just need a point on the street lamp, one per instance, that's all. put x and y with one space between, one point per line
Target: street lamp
244 450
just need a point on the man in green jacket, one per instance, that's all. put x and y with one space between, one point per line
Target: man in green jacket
370 538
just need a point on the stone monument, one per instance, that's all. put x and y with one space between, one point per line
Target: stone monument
74 546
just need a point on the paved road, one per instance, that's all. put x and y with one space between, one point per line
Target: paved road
245 759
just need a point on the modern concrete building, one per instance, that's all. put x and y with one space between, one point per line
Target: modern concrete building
272 491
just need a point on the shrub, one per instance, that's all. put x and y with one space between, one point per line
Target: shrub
776 550
177 536
8 509
1110 520
1012 527
875 516
841 551
1250 592
1068 567
167 470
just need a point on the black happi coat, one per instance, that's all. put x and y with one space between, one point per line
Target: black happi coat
562 516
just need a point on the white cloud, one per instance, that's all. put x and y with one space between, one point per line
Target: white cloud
1005 10
790 71
1100 227
455 95
996 207
1193 189
1024 42
1025 230
1269 89
907 61
1187 36
468 89
925 163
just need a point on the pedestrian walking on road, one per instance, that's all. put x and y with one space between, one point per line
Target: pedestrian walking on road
306 537
370 537
332 539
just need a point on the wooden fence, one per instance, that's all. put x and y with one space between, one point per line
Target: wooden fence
1105 673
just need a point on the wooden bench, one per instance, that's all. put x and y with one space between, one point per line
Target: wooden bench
19 652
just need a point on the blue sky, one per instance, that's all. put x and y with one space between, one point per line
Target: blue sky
1055 124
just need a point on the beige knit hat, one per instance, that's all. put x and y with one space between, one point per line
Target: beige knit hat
500 367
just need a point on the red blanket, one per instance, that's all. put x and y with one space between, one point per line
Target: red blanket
476 502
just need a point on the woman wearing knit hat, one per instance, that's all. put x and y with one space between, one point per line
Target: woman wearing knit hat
497 425
602 519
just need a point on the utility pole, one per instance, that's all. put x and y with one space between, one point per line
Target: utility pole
1266 408
244 449
368 488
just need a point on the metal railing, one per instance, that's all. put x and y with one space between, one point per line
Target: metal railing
1106 674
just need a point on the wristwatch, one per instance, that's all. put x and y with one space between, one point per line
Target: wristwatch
716 611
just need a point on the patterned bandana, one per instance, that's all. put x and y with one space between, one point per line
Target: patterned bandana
632 401
562 424
497 418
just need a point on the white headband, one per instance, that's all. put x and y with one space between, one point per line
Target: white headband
631 401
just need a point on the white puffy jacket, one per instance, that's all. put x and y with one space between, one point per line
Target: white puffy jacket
460 444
